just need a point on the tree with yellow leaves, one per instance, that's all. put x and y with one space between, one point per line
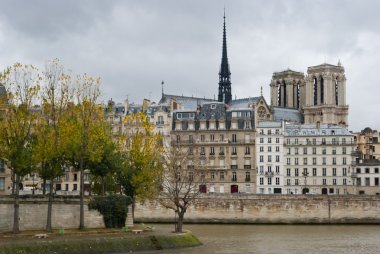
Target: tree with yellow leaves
142 169
22 84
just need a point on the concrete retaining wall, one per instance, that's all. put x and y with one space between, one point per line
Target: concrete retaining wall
33 213
284 209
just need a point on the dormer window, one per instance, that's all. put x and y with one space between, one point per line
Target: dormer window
179 115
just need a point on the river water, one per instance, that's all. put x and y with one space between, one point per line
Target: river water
292 239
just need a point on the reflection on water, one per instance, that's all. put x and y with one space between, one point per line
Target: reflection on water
275 239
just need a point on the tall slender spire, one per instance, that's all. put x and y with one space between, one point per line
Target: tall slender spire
224 94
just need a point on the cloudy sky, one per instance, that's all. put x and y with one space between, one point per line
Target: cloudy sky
133 45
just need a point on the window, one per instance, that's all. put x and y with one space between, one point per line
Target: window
296 151
75 187
2 166
221 150
277 170
314 172
247 176
191 151
324 161
367 170
324 181
277 181
261 140
277 148
203 150
376 170
323 141
191 139
314 141
178 139
269 149
334 151
261 149
334 171
247 150
277 131
344 181
295 181
358 170
287 161
376 181
287 181
295 161
296 141
314 150
191 176
212 137
261 158
179 115
277 158
213 106
269 140
344 150
277 140
269 132
305 150
234 150
344 172
344 160
334 161
324 150
202 138
261 180
304 161
367 181
314 161
261 170
334 181
234 138
221 137
2 183
212 175
269 168
288 141
288 172
296 171
221 176
212 150
323 171
269 181
234 176
269 158
75 177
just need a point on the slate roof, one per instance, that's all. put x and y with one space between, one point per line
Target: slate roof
287 114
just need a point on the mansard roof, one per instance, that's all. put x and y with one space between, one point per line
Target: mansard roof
287 114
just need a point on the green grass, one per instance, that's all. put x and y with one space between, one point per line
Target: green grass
100 244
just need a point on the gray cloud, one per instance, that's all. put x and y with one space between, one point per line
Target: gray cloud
133 45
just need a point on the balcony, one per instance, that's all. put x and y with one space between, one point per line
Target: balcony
269 174
354 175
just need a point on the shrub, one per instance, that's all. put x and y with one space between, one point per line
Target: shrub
114 209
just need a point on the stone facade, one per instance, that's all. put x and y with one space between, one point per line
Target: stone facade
5 179
367 144
33 214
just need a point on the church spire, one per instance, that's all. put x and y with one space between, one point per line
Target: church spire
224 94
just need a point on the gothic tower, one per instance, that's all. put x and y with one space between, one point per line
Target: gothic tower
224 94
325 95
287 89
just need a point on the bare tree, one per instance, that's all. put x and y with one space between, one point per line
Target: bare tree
184 175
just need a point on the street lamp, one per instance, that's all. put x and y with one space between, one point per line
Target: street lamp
305 174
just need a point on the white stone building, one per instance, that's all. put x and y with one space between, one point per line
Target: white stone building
269 158
317 159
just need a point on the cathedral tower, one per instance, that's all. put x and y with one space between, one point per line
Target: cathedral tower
325 98
224 94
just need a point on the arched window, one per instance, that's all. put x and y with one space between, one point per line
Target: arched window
336 90
322 90
284 87
279 94
315 89
298 94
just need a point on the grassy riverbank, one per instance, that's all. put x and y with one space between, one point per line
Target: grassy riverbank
99 242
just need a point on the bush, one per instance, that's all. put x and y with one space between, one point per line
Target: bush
114 209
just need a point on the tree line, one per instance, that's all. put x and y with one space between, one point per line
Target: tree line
52 120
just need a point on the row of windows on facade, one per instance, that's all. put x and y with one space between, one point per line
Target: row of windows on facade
234 177
213 126
367 171
315 141
305 160
317 172
213 106
324 181
305 150
234 164
211 138
221 150
269 132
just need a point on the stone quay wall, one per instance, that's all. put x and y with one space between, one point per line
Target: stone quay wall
33 213
271 209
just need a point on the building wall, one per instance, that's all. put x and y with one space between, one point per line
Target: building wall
5 179
271 209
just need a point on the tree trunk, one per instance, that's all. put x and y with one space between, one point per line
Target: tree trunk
181 215
50 207
16 226
44 186
103 186
81 191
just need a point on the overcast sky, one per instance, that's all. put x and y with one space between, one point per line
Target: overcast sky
133 45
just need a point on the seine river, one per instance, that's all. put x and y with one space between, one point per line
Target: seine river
275 239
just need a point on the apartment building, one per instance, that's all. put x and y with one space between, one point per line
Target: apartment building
318 159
